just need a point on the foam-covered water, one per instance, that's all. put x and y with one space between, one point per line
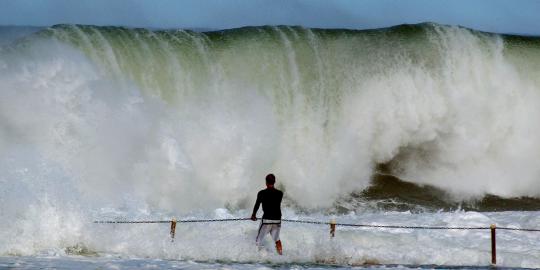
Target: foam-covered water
107 122
304 244
48 262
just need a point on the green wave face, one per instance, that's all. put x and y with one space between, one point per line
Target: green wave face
290 61
285 63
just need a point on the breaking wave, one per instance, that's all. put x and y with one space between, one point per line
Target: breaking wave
102 120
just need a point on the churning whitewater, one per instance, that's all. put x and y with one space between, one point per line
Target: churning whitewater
110 122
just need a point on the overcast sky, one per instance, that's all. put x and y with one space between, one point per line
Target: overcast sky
502 16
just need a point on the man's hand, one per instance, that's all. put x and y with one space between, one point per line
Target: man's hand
253 217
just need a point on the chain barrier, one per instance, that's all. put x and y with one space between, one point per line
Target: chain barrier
314 222
130 221
168 221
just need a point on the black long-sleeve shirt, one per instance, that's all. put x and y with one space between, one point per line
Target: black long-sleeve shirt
271 203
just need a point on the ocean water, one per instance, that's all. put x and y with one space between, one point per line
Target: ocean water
422 125
115 263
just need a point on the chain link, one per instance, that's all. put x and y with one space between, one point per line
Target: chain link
167 221
518 229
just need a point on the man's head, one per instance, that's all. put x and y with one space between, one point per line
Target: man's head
270 180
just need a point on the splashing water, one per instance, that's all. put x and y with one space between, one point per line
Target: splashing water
100 122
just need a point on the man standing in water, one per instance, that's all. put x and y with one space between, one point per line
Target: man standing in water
271 219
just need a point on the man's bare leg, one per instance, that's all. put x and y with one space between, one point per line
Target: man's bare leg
279 248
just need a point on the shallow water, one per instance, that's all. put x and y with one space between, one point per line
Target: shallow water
83 263
303 244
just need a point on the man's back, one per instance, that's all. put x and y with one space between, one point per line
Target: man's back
271 220
271 203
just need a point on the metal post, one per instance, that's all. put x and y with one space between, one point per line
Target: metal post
493 245
332 228
173 229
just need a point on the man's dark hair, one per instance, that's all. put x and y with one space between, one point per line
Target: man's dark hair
270 179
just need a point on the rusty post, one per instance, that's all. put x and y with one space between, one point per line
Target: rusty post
332 228
493 245
173 229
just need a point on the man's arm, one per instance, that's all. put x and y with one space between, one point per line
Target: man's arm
256 207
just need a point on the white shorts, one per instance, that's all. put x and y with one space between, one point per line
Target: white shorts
268 226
